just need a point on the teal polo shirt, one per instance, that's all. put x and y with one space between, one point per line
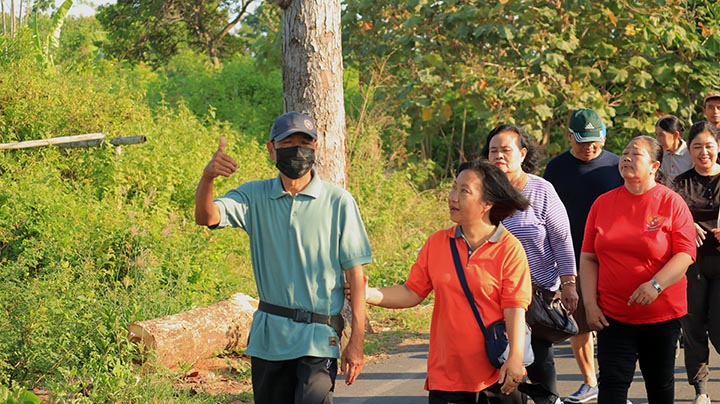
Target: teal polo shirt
299 245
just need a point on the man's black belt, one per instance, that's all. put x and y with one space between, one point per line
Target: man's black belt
301 316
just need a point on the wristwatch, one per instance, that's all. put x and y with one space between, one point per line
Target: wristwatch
656 285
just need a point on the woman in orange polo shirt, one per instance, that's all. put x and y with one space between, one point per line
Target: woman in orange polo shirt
498 276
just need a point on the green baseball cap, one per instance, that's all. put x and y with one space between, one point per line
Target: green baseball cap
586 126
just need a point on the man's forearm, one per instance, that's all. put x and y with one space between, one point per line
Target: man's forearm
206 213
357 304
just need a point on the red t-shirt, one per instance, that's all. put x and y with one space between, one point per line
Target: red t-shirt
498 276
633 237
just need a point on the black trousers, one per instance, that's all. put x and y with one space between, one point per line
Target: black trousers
621 345
491 395
542 370
305 380
702 323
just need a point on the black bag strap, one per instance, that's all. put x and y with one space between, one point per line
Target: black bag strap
466 288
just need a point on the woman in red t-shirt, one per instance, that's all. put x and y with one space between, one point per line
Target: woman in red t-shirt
639 241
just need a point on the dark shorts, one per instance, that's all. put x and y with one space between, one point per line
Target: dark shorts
296 381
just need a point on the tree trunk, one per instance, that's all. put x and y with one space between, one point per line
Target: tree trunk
2 13
12 18
313 77
196 334
312 70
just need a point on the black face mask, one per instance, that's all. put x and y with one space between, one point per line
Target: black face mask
294 162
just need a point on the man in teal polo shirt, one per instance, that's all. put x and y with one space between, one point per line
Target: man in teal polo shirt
306 239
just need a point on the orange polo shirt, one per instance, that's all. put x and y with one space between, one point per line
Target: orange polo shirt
498 276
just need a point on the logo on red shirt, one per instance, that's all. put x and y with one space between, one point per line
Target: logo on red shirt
654 223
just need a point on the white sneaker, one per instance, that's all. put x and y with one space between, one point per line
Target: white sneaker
702 399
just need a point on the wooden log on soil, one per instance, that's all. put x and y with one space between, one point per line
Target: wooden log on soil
196 334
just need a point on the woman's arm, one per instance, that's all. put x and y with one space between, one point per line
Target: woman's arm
670 273
558 230
394 297
512 371
588 284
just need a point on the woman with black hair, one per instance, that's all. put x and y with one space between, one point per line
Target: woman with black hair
700 187
639 241
669 132
544 231
496 269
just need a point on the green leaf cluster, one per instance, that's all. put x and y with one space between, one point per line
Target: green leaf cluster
459 68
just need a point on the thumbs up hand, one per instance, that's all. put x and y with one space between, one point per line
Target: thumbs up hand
221 163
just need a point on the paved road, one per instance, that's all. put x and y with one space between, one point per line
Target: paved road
399 379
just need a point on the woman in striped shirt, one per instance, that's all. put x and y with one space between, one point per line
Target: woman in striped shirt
543 229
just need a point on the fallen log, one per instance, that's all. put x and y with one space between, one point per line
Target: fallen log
203 332
195 334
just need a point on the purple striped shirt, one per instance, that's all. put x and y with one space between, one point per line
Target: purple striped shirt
544 231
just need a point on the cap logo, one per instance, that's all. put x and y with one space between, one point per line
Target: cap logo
589 126
308 124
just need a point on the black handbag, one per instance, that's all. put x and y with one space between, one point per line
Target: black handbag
548 317
497 345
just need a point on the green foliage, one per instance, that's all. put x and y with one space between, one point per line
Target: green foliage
18 396
89 236
140 31
81 43
154 31
261 30
47 46
459 68
239 92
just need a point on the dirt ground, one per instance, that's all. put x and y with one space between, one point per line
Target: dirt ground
228 375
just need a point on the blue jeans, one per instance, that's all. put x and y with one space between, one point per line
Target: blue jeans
621 345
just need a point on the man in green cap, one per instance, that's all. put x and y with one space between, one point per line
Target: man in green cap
579 176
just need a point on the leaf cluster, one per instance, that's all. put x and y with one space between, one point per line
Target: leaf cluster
462 67
154 31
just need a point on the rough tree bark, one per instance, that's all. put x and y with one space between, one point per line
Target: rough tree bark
312 71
